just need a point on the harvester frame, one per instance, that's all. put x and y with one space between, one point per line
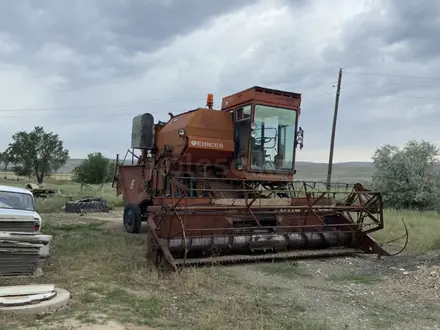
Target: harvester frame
312 208
204 202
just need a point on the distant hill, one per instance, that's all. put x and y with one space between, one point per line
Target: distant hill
70 165
342 172
300 166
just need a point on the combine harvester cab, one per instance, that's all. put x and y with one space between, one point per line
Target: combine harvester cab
216 186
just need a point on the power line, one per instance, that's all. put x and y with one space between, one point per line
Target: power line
393 95
116 115
391 75
157 101
392 84
88 115
313 95
119 105
106 115
197 99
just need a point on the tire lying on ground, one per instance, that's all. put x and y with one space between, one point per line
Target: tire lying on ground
86 205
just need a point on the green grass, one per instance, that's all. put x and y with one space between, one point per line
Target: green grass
423 228
109 278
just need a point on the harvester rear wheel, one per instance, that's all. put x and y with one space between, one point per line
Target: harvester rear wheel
132 218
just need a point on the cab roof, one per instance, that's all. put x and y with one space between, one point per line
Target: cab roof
262 95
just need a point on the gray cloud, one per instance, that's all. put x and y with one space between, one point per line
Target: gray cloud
89 67
416 24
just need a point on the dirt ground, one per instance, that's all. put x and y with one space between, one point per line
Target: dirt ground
339 293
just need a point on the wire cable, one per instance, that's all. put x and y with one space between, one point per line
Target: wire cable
67 110
390 75
392 95
153 101
107 114
390 84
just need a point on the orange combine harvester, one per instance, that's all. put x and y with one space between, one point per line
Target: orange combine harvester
216 186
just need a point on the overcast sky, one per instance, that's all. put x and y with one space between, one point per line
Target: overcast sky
84 68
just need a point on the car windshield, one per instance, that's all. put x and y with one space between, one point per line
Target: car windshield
18 201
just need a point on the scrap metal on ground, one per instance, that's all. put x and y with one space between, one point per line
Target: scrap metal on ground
216 186
23 254
40 192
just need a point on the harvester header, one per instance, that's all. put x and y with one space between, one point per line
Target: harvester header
217 186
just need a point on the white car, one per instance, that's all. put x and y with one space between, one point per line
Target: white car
19 220
17 210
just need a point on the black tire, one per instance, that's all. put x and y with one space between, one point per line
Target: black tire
132 218
91 199
87 206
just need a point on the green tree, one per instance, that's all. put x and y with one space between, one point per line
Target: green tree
5 159
110 171
408 178
93 170
36 153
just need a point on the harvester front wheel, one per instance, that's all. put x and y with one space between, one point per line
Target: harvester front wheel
132 218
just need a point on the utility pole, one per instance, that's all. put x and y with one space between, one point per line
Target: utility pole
332 139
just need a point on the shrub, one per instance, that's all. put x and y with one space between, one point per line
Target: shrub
408 178
93 170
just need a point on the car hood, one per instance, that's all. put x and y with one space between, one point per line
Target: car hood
19 212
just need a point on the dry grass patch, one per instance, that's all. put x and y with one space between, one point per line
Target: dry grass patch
258 312
109 278
356 277
288 269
